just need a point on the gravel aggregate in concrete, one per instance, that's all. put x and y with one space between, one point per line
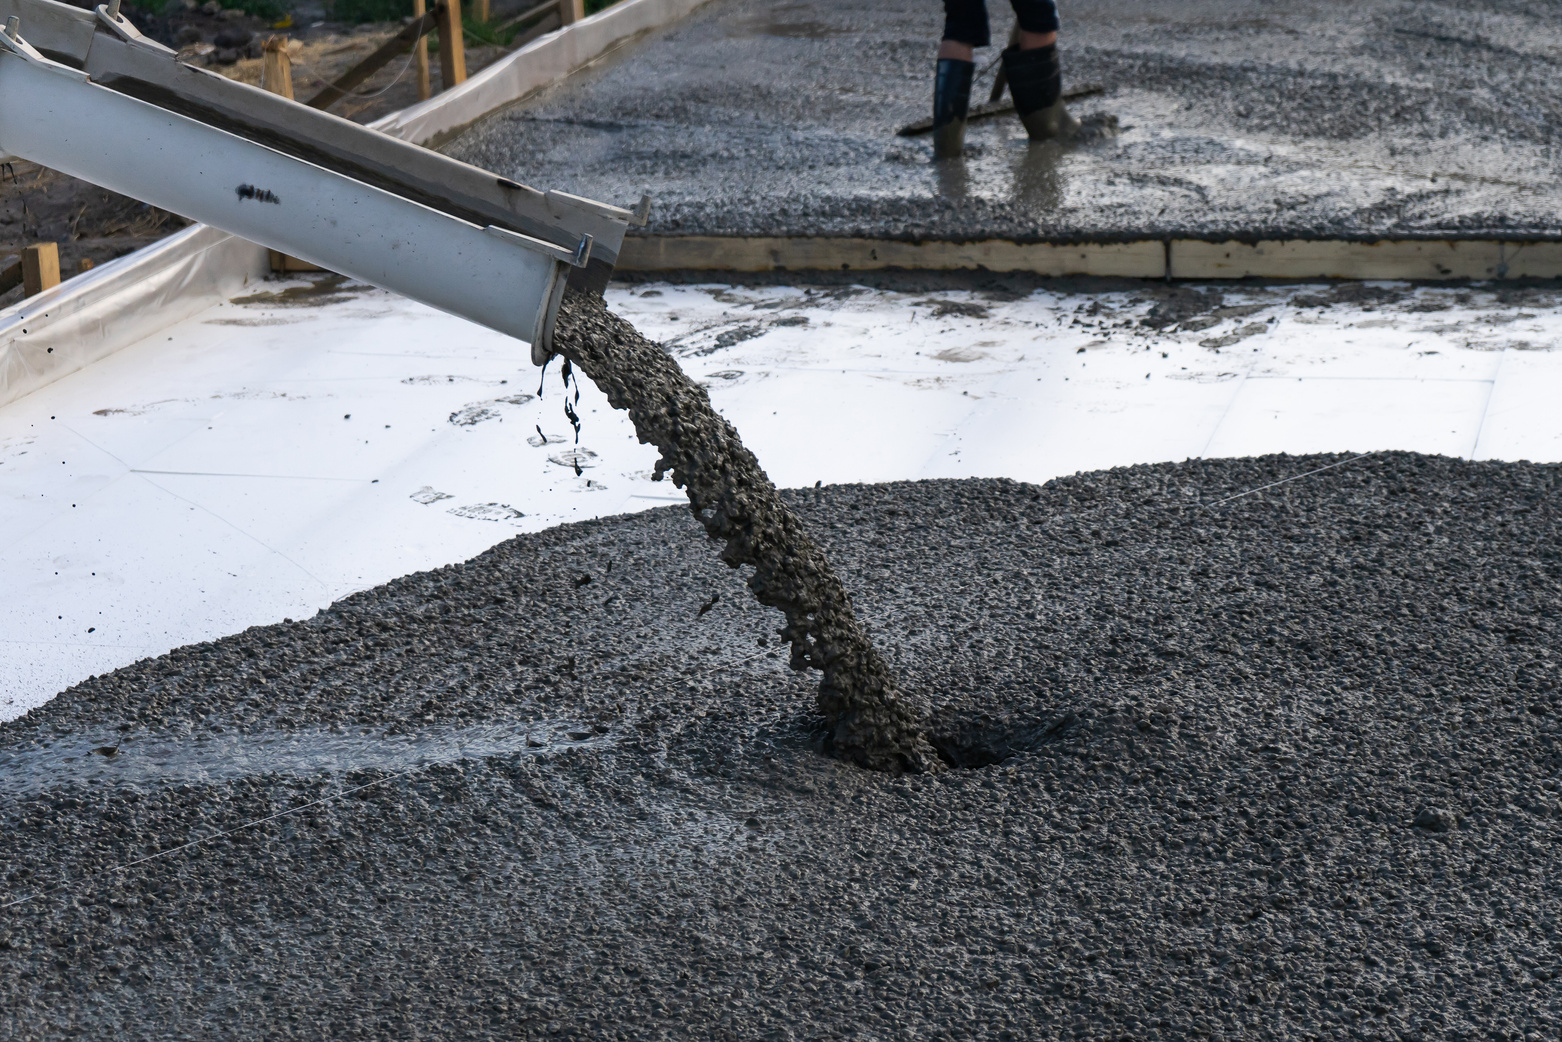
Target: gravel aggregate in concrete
1278 766
1238 118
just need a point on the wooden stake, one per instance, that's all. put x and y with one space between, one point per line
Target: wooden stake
571 10
420 53
1002 79
549 8
387 52
480 11
452 48
40 267
276 75
546 24
11 275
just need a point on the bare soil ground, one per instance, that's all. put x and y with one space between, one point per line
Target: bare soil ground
89 223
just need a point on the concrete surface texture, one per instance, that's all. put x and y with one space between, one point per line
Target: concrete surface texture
1282 766
238 469
1238 118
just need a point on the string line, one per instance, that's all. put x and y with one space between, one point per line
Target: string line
1294 477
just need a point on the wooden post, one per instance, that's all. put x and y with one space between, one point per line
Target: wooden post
480 11
452 48
571 11
40 267
276 75
420 53
386 53
11 276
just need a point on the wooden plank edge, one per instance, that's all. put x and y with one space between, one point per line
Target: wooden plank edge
10 274
282 263
1413 259
1145 259
1418 259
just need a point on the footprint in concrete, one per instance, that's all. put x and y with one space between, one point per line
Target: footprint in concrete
958 308
727 377
474 413
1196 325
576 459
1094 127
487 512
1215 343
731 337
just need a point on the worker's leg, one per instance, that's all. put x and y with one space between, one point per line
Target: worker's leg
965 28
1035 77
1038 21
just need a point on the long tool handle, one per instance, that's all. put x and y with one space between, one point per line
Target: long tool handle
1002 79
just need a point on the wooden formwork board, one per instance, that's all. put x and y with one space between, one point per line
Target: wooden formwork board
1142 260
1386 259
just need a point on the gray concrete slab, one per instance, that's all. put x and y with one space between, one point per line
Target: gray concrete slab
1239 118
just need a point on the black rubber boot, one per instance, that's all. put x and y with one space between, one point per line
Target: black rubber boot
1036 85
951 101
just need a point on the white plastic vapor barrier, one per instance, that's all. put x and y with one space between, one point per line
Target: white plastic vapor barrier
128 299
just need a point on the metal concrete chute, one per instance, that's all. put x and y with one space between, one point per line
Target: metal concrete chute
109 106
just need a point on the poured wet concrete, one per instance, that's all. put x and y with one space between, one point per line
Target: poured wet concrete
1239 118
1276 766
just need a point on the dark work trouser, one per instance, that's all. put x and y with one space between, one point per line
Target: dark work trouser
965 21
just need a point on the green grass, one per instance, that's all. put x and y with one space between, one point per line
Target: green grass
270 10
354 12
358 11
487 32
